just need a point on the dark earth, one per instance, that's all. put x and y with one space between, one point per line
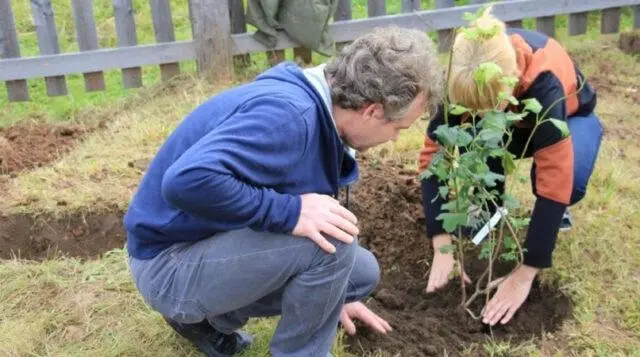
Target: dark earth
387 203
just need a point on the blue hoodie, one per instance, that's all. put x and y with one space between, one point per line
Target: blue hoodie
240 160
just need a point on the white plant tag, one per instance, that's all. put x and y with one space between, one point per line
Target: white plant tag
482 234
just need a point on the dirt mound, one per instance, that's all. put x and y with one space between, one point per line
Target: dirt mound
629 42
30 145
387 203
79 235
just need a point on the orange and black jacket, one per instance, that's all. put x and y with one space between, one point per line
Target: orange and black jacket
547 74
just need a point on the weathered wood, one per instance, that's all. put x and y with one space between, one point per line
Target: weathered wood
341 31
578 23
87 40
213 39
163 27
376 8
546 25
410 5
343 13
44 21
477 1
445 39
238 25
126 31
16 90
610 21
99 60
636 17
514 23
302 55
276 56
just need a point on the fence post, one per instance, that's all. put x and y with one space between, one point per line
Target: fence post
126 31
578 23
444 36
546 25
343 13
376 8
163 27
212 37
610 22
87 40
410 5
44 21
16 90
238 25
636 17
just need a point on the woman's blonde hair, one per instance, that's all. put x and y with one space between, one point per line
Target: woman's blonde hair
470 53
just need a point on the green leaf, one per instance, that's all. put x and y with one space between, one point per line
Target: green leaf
456 109
522 178
519 223
490 178
508 97
426 174
514 117
443 191
508 164
491 137
509 81
508 257
469 17
451 221
562 126
494 119
487 247
532 105
485 72
510 202
447 248
453 136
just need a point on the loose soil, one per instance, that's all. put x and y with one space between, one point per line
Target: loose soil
29 145
387 204
39 238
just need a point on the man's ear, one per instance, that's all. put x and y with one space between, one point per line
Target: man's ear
372 111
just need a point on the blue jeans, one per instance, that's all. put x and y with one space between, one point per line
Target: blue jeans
236 275
586 136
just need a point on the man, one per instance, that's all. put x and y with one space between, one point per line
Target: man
235 216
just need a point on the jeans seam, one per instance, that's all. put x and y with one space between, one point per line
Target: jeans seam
326 306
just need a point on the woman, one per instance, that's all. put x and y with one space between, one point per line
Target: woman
561 165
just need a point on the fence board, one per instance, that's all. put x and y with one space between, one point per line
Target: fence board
126 31
87 40
163 27
636 17
444 36
16 90
610 21
343 13
546 25
578 23
238 25
47 34
213 42
410 5
376 8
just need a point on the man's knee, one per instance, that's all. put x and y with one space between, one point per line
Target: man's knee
364 277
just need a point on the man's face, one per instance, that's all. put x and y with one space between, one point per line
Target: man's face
370 128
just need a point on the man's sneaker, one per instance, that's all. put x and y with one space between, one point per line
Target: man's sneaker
210 341
567 222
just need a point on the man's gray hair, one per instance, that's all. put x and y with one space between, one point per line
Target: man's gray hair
390 66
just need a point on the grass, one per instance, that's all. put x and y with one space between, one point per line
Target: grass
73 106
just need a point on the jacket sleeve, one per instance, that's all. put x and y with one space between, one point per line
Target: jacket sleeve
431 201
552 173
228 177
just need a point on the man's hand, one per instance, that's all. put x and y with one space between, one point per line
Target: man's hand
358 310
442 265
323 214
512 292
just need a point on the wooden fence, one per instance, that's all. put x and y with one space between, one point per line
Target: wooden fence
219 34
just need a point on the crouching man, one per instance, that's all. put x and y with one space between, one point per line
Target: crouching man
236 216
